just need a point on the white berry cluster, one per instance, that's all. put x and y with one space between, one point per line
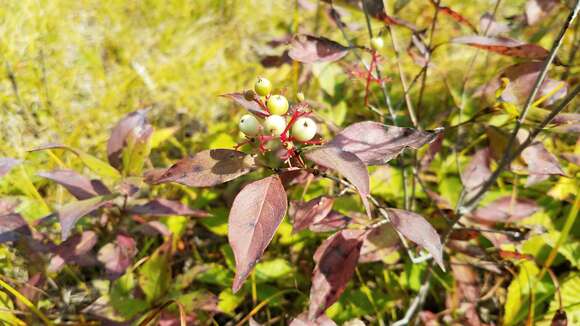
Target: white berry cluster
276 122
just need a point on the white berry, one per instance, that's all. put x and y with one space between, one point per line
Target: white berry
275 125
304 129
277 104
249 125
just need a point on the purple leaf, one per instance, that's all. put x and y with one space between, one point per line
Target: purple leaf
477 171
505 46
304 214
505 209
379 243
336 259
302 320
71 213
255 215
536 10
376 144
415 228
251 106
572 158
310 49
491 27
165 207
118 256
347 164
332 222
271 61
541 163
209 168
12 227
79 186
119 134
522 77
153 228
8 205
73 250
6 164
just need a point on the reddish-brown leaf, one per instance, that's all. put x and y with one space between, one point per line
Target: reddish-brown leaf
304 214
536 10
118 256
336 259
505 209
477 171
467 280
209 168
254 217
251 106
541 163
165 207
572 158
379 243
376 9
434 147
12 227
6 164
333 221
78 185
71 213
454 15
119 134
347 164
376 144
505 46
271 61
73 250
415 228
310 49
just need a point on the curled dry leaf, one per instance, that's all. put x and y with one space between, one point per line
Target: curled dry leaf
379 243
71 213
477 171
78 185
255 215
328 282
505 209
310 49
536 10
347 164
304 214
165 207
376 144
415 228
505 46
6 164
73 250
251 106
541 163
12 227
208 168
119 134
467 280
118 256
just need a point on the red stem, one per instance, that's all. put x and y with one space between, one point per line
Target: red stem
370 77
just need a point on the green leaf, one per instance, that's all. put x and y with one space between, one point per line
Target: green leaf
137 150
6 316
272 270
155 274
121 297
228 302
161 135
216 274
98 166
